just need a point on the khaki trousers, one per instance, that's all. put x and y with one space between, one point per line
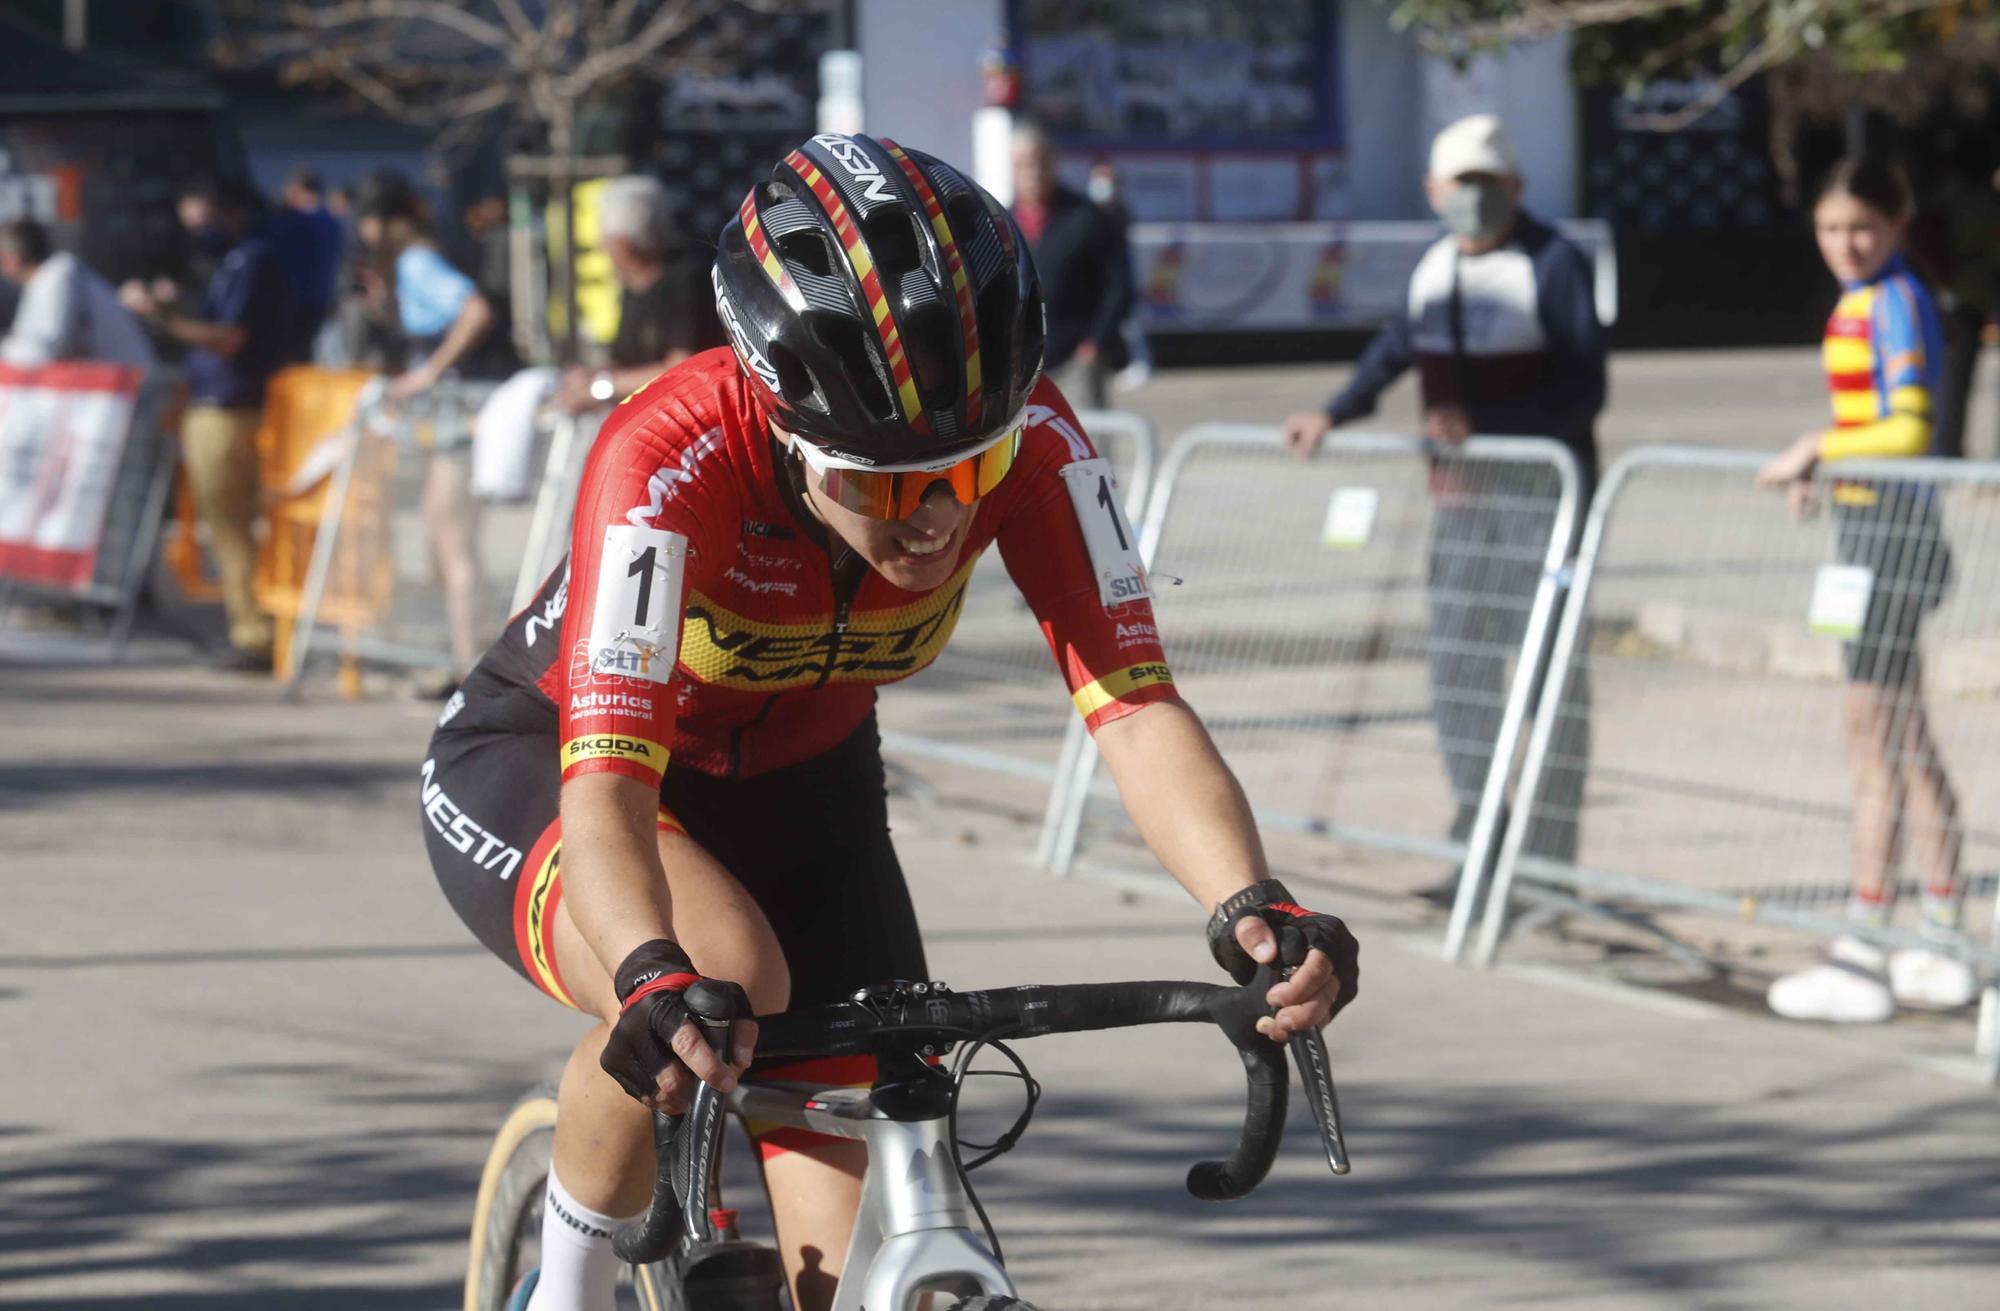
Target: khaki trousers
219 451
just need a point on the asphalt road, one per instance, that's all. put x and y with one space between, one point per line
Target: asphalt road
251 1061
249 1058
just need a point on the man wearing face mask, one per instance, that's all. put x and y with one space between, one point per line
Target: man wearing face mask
1501 324
236 337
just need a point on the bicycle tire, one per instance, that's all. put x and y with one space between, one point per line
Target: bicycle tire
508 1209
983 1303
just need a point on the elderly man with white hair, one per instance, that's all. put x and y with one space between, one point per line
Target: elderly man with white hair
666 310
1501 324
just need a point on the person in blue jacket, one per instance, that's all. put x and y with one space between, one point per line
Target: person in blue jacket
1501 325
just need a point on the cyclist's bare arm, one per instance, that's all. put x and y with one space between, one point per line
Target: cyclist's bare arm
1193 815
617 891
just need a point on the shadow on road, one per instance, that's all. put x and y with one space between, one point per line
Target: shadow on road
1641 1196
27 785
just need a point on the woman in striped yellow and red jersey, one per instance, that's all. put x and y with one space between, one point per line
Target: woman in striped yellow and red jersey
1883 351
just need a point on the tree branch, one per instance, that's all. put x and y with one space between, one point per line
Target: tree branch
1542 19
672 20
348 13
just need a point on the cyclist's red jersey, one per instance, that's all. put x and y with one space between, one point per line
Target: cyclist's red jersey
689 538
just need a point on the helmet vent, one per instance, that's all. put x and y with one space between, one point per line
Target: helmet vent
930 340
806 250
843 337
965 212
795 383
892 241
1033 326
997 305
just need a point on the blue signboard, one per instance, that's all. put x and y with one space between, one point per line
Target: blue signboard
1180 74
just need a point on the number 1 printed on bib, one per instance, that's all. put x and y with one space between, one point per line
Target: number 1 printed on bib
1113 547
635 622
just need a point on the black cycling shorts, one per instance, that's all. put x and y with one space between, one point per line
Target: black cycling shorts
810 843
1901 541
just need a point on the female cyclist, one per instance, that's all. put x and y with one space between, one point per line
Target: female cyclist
1882 353
668 767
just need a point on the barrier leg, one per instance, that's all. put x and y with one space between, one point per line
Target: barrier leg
325 537
139 564
555 478
1074 737
1070 825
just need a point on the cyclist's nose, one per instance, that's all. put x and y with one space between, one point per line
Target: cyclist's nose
938 513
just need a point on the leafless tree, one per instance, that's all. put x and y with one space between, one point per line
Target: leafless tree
456 65
451 64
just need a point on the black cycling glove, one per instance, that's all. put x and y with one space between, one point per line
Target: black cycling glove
653 986
1299 930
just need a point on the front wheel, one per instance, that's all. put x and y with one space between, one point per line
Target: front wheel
507 1219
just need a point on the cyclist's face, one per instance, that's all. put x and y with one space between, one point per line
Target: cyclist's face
917 553
1855 238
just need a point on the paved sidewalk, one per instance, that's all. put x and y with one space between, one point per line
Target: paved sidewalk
252 1060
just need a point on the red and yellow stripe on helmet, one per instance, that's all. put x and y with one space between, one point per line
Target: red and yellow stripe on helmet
968 323
871 286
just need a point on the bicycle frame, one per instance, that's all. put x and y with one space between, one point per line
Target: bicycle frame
913 1232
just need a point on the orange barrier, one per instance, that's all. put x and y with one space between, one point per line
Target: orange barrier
304 409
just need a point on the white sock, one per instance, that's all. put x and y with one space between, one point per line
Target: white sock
579 1269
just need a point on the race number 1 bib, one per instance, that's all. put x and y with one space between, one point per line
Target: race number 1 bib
1113 547
635 623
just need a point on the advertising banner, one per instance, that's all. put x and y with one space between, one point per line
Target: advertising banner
63 432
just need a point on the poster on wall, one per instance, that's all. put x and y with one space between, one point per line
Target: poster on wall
1208 112
63 431
1184 73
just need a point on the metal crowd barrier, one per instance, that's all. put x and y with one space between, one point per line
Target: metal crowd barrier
1727 644
547 541
406 568
133 519
1021 723
1361 632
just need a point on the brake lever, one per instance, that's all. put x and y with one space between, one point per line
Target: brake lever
1316 1073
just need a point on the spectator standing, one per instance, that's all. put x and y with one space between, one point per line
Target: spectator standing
1106 195
66 311
309 242
1501 324
236 338
1084 268
666 308
1883 349
444 317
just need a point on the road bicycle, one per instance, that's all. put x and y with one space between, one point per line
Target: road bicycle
914 1234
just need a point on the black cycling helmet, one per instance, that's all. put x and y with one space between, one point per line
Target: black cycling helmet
881 301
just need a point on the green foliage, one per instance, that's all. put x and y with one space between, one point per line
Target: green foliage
1632 40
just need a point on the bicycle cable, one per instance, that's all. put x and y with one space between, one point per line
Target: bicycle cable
961 1070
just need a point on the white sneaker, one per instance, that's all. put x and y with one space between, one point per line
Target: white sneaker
1920 977
1850 988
